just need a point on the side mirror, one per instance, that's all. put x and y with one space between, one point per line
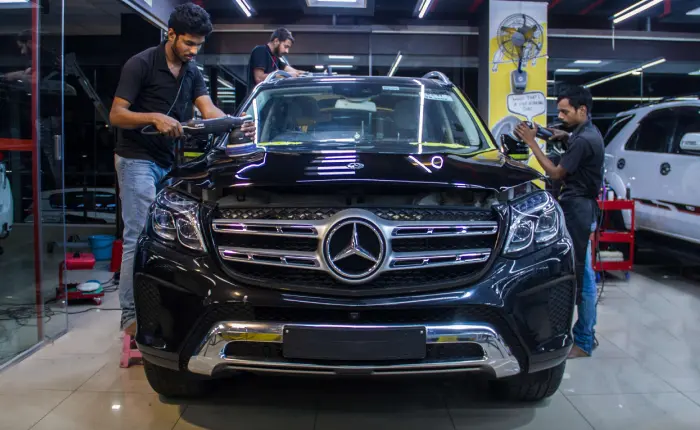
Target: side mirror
691 143
513 147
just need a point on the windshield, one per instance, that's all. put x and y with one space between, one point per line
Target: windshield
365 117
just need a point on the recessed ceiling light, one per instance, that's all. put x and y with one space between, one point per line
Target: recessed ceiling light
358 4
341 57
335 66
567 71
587 62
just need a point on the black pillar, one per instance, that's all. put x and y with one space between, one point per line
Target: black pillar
213 87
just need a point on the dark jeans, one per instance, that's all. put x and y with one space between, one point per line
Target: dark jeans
579 214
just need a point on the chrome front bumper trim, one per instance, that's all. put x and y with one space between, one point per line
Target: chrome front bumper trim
210 357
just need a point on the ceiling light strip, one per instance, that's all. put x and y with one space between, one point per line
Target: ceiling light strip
396 64
244 7
424 8
625 73
643 5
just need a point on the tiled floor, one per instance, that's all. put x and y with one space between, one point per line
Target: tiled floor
645 375
18 330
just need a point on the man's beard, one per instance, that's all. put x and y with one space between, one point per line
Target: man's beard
566 126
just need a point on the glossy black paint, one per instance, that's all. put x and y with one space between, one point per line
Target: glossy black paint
189 284
486 170
176 290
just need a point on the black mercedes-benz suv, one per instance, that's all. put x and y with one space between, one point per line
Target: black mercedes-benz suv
373 227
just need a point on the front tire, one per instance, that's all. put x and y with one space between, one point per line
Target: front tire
172 383
529 387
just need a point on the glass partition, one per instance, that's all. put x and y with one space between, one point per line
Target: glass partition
32 206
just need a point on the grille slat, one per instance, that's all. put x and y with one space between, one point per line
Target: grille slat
302 279
390 214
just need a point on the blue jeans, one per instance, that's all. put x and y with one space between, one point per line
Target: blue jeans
584 329
139 181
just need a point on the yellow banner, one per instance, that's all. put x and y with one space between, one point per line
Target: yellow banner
518 67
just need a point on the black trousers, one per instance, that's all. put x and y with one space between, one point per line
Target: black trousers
579 214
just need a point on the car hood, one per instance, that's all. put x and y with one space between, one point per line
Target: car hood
486 169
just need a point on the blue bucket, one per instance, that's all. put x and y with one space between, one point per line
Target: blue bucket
101 246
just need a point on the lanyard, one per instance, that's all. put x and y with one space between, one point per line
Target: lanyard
273 58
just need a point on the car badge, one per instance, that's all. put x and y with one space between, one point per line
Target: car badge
355 166
354 250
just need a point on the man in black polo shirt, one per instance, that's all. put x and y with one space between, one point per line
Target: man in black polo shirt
158 88
265 59
581 171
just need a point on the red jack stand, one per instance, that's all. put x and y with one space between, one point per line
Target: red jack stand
129 351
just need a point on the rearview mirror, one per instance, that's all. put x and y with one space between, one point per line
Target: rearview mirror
365 106
691 143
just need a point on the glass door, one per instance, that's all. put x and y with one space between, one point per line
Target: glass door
32 214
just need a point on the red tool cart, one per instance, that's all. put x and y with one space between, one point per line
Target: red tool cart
69 290
606 236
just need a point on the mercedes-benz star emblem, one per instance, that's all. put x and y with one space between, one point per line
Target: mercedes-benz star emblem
354 250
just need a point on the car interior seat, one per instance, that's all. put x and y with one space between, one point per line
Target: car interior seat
303 113
406 115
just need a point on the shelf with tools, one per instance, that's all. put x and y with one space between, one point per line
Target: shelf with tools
615 260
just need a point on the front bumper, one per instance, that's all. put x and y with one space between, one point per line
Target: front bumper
193 317
490 355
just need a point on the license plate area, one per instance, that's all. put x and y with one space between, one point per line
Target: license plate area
354 344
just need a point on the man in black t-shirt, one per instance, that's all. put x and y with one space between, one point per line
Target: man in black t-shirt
157 89
266 59
49 99
581 171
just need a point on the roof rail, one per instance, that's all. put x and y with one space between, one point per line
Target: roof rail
667 99
439 76
276 76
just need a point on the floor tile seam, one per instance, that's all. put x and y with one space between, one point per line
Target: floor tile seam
578 411
53 409
92 376
685 394
182 414
449 411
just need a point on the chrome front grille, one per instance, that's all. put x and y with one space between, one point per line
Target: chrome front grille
339 247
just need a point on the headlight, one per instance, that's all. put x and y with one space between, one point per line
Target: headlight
535 222
176 217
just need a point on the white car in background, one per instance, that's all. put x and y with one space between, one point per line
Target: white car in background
653 153
77 206
6 205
